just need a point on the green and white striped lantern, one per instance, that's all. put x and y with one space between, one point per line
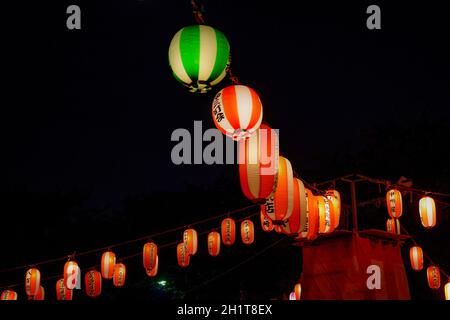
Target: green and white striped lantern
199 56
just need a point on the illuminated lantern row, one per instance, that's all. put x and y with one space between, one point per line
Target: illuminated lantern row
228 231
427 210
199 56
190 240
39 296
326 215
394 203
247 232
416 258
62 293
298 291
434 277
32 281
93 283
120 274
8 295
214 243
237 111
149 255
279 206
154 271
258 163
107 264
393 226
335 198
447 291
183 256
72 275
266 222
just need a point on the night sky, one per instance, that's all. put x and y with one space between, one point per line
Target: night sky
87 115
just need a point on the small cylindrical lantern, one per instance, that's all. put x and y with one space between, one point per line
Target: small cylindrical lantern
8 295
214 243
266 222
32 281
247 232
394 203
298 291
153 271
93 283
149 255
393 226
62 293
434 277
427 210
447 291
228 231
39 296
183 256
72 275
107 264
190 239
416 258
335 198
326 219
120 274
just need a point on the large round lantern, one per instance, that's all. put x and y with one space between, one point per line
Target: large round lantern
393 226
199 56
326 218
183 256
214 243
120 274
298 291
149 255
335 198
237 111
32 281
38 296
93 283
8 295
153 271
297 220
72 275
427 210
258 164
247 232
434 277
311 229
228 231
447 291
279 206
394 203
190 239
107 265
266 222
62 293
416 258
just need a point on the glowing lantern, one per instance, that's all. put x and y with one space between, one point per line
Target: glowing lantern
32 281
279 206
394 203
297 221
326 218
190 239
214 243
120 274
335 198
447 291
292 296
416 258
107 265
312 218
62 293
8 295
298 291
150 254
258 163
72 275
247 232
427 210
434 277
182 255
154 271
237 111
393 226
39 296
266 222
228 231
93 283
199 56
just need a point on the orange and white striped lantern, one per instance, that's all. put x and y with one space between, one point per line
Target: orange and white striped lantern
62 293
183 256
394 203
190 239
393 226
280 205
237 111
214 243
311 229
153 271
39 296
93 283
427 210
434 277
297 221
298 291
447 291
266 222
335 198
120 275
416 258
8 295
72 275
32 281
149 255
258 164
326 218
107 265
247 232
228 231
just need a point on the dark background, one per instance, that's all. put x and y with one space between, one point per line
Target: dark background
87 117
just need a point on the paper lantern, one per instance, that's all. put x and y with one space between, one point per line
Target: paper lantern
298 291
433 277
237 111
199 56
393 226
228 231
247 232
335 198
447 291
258 164
93 283
326 218
183 256
297 220
311 229
39 296
8 295
279 206
62 293
153 271
266 222
149 255
120 274
107 265
190 239
72 275
292 296
427 210
214 243
32 281
416 258
394 203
